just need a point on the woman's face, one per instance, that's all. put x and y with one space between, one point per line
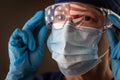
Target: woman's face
80 14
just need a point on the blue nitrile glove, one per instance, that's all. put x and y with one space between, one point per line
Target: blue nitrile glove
114 46
26 47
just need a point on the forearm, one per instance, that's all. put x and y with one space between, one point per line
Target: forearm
20 76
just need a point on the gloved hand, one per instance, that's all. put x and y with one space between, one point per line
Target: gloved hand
26 47
114 46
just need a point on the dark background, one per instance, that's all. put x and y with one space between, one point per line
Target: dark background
13 14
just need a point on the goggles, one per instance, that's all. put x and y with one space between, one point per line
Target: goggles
76 13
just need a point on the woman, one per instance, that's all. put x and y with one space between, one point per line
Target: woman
76 42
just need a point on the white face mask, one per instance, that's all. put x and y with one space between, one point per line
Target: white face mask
75 50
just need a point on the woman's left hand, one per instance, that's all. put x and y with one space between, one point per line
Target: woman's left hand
114 43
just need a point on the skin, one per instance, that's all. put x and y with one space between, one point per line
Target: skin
102 71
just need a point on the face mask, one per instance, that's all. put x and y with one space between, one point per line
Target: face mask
75 50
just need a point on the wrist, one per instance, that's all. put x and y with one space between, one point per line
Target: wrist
20 75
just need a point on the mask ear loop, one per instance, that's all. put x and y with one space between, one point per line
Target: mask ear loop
104 53
107 24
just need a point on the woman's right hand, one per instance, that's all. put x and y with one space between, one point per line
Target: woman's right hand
26 48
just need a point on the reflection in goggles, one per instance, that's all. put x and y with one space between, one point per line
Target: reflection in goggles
62 12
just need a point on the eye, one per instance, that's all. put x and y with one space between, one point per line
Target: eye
87 18
59 17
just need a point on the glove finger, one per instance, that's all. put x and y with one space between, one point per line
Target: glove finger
112 37
115 52
115 19
36 57
17 45
18 38
31 41
36 21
